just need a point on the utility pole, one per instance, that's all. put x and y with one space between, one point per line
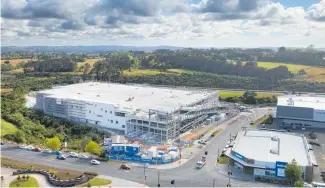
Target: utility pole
144 172
218 153
158 185
214 179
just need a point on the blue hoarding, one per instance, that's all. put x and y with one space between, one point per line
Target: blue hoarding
237 155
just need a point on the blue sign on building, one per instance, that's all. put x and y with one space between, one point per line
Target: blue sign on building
237 155
280 168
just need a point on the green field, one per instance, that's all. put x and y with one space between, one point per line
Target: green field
99 182
227 94
313 73
7 128
31 182
90 61
146 72
14 62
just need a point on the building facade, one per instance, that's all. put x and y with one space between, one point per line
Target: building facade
132 109
300 112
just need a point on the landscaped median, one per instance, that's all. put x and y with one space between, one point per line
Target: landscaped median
98 182
55 176
223 160
24 181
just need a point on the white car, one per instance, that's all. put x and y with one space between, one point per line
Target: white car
227 146
83 157
228 142
94 162
30 147
47 151
23 147
73 154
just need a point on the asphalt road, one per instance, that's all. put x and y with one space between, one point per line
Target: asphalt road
185 176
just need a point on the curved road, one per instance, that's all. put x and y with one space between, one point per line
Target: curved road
185 176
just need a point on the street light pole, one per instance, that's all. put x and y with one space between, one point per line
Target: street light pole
158 185
214 179
144 172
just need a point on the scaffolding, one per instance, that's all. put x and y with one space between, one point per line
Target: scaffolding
168 126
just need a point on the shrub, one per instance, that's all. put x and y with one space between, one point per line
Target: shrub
89 184
18 178
91 173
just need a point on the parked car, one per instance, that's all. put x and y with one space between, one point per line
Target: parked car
30 148
125 167
202 142
83 157
61 157
38 149
47 151
2 143
94 162
58 153
73 154
23 147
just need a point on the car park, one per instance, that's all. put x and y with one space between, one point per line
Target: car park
47 151
38 149
73 154
94 162
61 157
125 167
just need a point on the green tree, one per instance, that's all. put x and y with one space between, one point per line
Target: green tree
249 97
7 62
293 172
299 184
92 148
53 143
19 137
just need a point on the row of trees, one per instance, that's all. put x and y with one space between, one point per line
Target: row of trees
51 65
250 97
55 144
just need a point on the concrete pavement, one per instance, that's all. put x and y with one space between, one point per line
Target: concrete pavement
185 175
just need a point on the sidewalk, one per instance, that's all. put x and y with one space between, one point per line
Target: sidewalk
236 174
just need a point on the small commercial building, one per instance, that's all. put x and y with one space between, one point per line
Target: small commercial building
266 153
299 112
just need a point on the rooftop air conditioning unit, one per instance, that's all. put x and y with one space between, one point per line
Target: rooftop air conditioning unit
274 138
273 151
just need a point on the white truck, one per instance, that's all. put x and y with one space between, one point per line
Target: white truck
201 163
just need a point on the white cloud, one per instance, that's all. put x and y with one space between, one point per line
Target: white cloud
167 22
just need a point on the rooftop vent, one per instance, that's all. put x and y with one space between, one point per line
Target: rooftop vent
274 138
273 151
98 95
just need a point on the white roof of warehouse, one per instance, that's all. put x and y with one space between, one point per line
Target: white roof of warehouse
142 97
303 101
257 144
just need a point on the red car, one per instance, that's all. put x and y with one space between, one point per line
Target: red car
125 167
37 149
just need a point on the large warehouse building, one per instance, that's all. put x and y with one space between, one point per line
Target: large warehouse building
300 112
163 113
266 153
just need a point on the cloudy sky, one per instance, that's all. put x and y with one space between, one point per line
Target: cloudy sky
187 23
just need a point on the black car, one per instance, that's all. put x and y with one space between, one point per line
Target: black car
61 157
2 143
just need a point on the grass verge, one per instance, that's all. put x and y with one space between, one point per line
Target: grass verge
61 173
223 160
99 182
7 128
31 182
227 94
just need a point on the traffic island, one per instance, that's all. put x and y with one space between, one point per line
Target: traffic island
24 181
